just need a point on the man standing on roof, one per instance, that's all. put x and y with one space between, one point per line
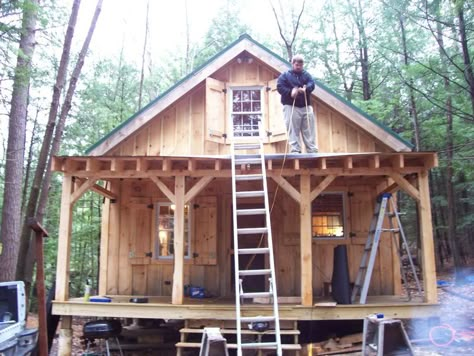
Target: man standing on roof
295 87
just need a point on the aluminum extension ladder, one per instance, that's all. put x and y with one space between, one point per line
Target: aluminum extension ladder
251 167
385 207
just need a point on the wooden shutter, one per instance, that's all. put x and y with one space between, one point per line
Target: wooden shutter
139 239
215 110
276 123
204 245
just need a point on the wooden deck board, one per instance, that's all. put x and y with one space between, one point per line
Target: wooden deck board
223 309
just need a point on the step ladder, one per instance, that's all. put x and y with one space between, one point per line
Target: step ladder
251 167
385 207
213 343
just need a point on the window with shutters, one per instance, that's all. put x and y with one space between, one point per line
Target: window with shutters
247 111
164 234
328 216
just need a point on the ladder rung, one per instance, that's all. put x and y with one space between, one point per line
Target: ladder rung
390 230
251 211
253 251
252 230
246 177
256 294
255 272
248 161
251 319
259 345
250 194
249 146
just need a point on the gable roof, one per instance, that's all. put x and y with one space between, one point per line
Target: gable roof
244 43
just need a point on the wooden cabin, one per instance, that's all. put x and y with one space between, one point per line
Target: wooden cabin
167 215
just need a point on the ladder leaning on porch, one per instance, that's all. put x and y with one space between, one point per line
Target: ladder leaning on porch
252 168
385 207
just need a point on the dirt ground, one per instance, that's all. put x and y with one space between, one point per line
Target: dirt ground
454 337
456 318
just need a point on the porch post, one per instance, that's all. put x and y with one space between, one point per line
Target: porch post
306 256
65 336
427 244
178 274
64 241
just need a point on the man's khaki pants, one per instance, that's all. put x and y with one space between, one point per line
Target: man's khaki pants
299 124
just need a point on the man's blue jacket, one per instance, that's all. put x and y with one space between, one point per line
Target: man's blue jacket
289 80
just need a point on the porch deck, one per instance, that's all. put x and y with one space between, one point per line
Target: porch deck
224 309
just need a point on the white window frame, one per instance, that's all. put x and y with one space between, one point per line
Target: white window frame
156 241
344 218
262 111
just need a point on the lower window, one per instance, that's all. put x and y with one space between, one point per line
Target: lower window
164 235
328 216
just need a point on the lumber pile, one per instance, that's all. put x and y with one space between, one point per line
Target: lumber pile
335 346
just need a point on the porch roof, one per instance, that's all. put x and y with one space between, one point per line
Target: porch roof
219 166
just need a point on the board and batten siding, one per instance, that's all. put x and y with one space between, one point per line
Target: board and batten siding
197 122
130 232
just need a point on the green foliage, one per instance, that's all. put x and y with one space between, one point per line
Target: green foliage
223 30
328 38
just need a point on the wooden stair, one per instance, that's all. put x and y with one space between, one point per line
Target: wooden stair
291 331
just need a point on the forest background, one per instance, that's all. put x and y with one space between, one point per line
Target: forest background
71 71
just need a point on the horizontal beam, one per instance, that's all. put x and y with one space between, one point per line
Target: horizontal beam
166 310
227 173
143 164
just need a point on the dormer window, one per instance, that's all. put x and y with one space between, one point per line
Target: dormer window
247 111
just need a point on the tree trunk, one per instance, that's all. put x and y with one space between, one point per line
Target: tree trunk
413 109
46 144
468 72
60 126
11 213
357 14
451 212
28 162
142 73
438 240
288 40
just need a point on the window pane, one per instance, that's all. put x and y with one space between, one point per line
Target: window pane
246 107
255 94
236 96
328 215
246 101
237 107
164 240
